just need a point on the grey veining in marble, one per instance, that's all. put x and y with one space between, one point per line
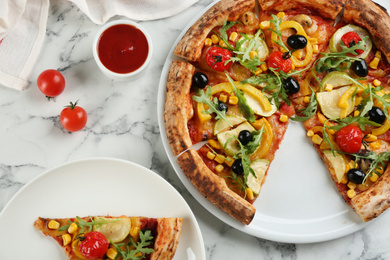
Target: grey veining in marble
122 123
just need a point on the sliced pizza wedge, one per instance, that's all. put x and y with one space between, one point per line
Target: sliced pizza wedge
110 237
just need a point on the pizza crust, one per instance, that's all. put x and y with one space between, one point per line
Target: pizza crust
169 231
190 46
214 188
371 203
376 20
178 107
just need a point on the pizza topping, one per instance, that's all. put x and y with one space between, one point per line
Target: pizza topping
237 167
329 100
86 226
356 176
349 139
245 137
221 125
254 181
115 231
218 58
222 106
291 85
93 245
200 80
376 115
297 41
350 39
337 162
279 62
306 22
360 67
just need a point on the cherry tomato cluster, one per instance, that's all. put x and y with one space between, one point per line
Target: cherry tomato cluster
349 139
52 83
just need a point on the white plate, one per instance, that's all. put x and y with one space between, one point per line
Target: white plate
95 186
299 202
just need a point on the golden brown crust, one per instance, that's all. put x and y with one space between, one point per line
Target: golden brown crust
214 188
178 108
371 203
169 231
327 8
190 46
374 18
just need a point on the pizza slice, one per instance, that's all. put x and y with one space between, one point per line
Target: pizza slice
107 237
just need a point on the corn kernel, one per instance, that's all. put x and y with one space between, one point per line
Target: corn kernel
233 36
376 83
358 100
264 67
223 98
281 14
351 164
53 224
66 239
380 170
371 138
374 177
249 193
351 185
356 113
111 253
331 131
374 63
344 180
233 100
222 43
215 39
375 145
364 186
306 99
210 155
317 139
139 254
208 42
219 168
298 54
72 228
292 67
215 144
229 161
351 193
328 87
315 48
252 54
134 231
265 25
258 71
378 54
313 40
283 118
310 133
219 158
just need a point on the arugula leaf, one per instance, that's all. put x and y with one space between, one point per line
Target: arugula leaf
360 120
134 251
205 98
82 224
376 160
223 34
276 21
245 109
257 136
310 110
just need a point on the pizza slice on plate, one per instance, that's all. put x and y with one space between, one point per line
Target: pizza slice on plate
107 237
247 67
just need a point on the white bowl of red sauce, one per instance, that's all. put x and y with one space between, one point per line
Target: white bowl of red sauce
122 50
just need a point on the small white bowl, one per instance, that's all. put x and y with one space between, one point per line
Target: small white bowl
121 76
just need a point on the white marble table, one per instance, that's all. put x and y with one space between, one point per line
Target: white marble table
123 124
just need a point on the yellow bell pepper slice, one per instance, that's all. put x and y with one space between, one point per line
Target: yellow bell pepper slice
267 138
309 49
344 101
203 117
384 128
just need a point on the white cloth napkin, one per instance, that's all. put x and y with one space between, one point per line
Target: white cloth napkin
23 27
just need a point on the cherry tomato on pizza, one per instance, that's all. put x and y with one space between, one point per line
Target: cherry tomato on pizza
51 82
73 118
350 39
93 245
279 61
349 139
217 58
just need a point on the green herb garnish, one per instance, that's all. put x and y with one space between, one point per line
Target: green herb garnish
83 225
310 110
140 248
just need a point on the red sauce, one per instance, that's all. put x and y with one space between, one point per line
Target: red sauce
122 48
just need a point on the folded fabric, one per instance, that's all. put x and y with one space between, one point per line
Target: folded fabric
23 27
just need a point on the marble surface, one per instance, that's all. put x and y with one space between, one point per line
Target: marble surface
122 123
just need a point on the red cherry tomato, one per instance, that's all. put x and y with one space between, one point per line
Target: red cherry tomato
277 61
350 39
73 118
216 57
94 246
349 139
51 83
